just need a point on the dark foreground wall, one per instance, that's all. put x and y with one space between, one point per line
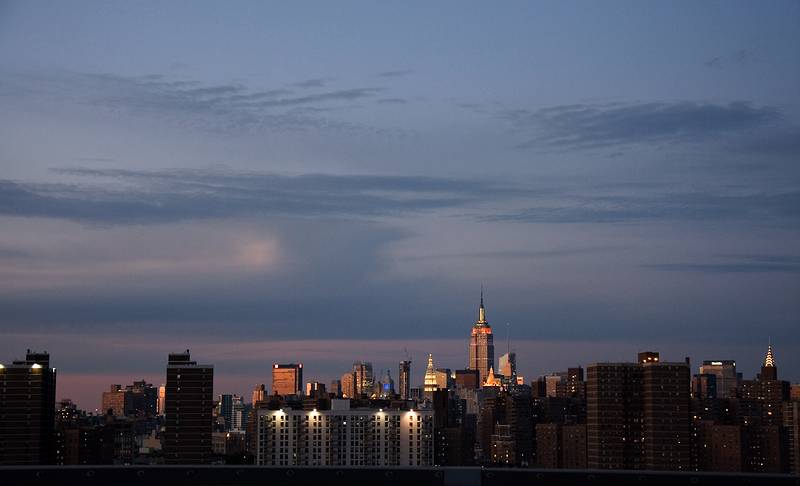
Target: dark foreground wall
331 476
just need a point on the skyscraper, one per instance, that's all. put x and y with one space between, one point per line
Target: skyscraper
481 345
405 377
508 365
638 415
27 410
259 394
287 379
364 379
430 384
726 378
189 404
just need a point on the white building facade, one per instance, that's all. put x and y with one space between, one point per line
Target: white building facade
345 437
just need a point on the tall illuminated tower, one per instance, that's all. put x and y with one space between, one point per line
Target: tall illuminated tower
481 345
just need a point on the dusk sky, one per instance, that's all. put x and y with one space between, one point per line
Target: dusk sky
333 181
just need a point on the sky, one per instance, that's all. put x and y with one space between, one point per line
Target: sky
327 182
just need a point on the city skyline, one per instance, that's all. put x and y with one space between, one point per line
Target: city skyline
227 384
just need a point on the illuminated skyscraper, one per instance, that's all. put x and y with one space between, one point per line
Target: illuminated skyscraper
481 345
430 378
364 379
287 379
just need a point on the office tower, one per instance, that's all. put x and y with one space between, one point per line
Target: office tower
575 386
116 401
287 379
189 406
508 366
343 436
760 410
430 384
444 379
27 410
364 379
666 412
405 379
726 379
162 394
791 423
336 388
769 371
467 379
481 345
704 386
143 397
348 385
638 415
316 389
225 410
259 394
237 414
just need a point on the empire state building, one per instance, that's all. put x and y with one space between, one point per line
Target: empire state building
481 345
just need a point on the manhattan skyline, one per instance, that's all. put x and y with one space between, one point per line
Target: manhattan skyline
324 183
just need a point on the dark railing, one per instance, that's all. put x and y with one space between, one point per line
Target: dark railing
333 476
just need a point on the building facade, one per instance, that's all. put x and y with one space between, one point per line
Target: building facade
189 406
287 379
27 410
345 437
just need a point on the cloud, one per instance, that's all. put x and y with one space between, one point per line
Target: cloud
162 196
692 206
518 254
587 126
312 83
224 107
392 100
394 74
736 264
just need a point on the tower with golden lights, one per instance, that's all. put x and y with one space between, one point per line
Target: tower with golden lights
481 345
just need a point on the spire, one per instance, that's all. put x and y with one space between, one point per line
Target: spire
481 310
769 361
430 376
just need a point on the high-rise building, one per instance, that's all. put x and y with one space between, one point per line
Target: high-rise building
237 415
508 365
116 401
343 436
259 394
405 379
467 379
225 410
364 379
162 395
140 399
725 378
27 410
287 379
638 415
189 405
444 379
348 381
481 345
430 384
